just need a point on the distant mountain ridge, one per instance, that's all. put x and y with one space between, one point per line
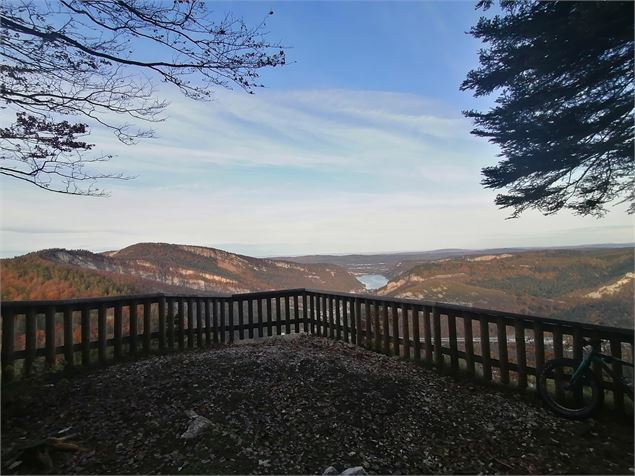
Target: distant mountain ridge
588 285
391 264
159 267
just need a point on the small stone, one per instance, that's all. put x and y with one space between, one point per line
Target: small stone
353 471
330 471
352 453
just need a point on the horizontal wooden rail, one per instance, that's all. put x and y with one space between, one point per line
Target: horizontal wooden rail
493 345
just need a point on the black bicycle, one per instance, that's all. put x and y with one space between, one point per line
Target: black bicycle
571 388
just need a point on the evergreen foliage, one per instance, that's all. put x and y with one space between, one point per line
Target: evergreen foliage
564 117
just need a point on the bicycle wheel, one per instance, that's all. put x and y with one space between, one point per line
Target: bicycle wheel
578 400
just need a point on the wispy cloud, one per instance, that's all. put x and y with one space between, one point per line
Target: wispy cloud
293 172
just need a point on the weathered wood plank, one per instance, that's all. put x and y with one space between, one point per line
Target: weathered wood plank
386 329
250 317
278 316
215 321
338 318
269 318
358 322
503 360
181 324
261 330
31 340
376 328
395 330
221 320
406 330
415 334
8 345
147 326
69 354
162 311
318 316
454 351
101 333
345 322
557 352
49 333
469 344
85 332
539 346
305 312
230 320
296 313
208 321
117 331
436 323
485 347
287 315
241 319
427 330
368 342
199 322
190 323
521 355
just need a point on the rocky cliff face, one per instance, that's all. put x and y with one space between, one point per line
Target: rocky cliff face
167 267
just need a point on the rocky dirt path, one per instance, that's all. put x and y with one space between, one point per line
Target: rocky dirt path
297 406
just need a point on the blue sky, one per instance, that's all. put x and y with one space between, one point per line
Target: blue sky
358 145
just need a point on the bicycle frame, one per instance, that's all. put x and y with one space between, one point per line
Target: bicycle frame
604 360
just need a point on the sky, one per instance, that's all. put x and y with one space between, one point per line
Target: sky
358 145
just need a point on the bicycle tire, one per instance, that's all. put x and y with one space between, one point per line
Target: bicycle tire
589 386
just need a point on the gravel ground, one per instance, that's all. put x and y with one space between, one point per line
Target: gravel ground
297 406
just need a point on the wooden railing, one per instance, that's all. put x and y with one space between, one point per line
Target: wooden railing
492 345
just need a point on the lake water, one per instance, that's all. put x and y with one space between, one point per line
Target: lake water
372 281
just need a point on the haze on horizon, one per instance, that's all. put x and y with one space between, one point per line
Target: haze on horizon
357 146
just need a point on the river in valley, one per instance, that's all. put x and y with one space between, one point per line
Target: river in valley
372 281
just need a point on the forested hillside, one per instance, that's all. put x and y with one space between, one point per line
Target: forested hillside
158 267
584 285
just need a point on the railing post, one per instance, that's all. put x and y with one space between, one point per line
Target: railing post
101 333
215 324
539 347
501 332
436 322
241 319
406 331
85 335
521 357
485 350
338 318
208 321
8 345
49 331
261 327
190 323
69 351
230 319
345 324
199 323
386 334
162 311
395 329
377 336
250 317
427 330
415 334
368 341
147 325
169 317
118 330
31 340
305 312
358 322
296 312
181 323
133 328
454 351
469 343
